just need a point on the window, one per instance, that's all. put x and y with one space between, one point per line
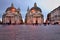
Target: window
33 11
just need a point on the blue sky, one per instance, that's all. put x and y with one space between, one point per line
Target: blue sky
45 5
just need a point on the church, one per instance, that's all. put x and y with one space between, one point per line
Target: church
54 16
12 16
34 15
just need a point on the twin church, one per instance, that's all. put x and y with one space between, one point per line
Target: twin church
13 16
33 16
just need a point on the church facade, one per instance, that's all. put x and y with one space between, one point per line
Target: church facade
34 15
54 16
12 16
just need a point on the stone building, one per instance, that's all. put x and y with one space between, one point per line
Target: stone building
12 16
48 18
34 15
54 16
0 22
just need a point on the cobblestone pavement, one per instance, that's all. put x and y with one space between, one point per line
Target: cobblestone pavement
29 32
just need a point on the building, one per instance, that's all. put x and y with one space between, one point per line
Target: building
0 22
12 16
54 16
34 15
48 18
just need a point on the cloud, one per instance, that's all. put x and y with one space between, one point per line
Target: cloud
49 4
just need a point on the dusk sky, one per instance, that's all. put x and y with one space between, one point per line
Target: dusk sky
45 5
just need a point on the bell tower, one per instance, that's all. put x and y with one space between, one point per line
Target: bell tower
35 5
12 5
28 8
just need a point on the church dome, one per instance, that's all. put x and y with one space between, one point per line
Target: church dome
12 8
36 8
